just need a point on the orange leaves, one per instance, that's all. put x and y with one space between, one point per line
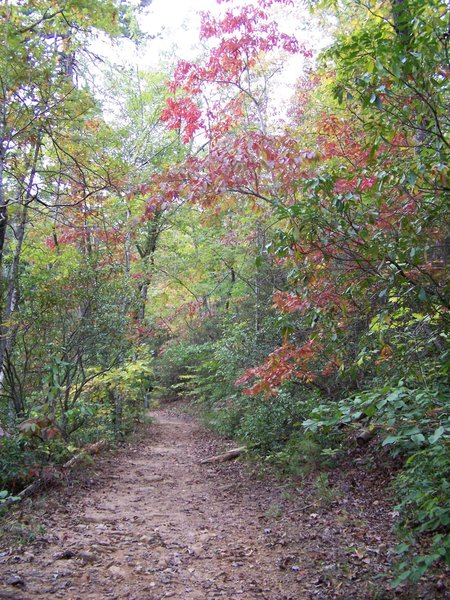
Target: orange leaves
386 353
93 124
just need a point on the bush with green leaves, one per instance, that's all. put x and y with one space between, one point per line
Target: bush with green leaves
269 424
172 367
15 461
414 424
424 491
205 366
6 497
107 407
116 398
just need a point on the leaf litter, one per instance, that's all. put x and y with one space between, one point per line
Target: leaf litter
148 522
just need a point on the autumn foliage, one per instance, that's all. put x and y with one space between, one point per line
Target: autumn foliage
283 264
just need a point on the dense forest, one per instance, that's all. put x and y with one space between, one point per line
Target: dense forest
189 233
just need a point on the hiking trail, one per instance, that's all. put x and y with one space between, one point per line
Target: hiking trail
150 522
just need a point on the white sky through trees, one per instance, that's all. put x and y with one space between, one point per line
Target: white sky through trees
173 27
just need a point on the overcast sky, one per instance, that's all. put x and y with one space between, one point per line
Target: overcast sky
176 25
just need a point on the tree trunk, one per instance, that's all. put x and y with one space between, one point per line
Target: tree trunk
8 329
260 246
116 400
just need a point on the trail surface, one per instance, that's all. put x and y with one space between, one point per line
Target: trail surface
149 522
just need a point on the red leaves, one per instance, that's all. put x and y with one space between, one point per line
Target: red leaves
322 293
182 114
244 35
285 363
264 3
289 302
343 186
41 427
260 167
244 19
367 183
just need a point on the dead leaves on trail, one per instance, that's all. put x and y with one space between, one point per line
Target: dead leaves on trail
149 521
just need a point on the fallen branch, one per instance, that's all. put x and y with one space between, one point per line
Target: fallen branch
234 453
302 508
364 436
87 451
28 491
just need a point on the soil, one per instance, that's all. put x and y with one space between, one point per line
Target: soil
150 521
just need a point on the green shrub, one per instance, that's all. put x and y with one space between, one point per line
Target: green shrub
114 401
174 362
15 461
413 423
424 489
226 419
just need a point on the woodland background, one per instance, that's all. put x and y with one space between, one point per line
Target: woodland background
172 234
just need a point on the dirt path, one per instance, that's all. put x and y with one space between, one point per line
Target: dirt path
156 524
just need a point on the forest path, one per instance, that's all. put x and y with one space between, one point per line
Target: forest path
154 523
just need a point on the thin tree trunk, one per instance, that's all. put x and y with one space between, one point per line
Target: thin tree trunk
127 264
4 143
260 244
116 400
143 291
8 329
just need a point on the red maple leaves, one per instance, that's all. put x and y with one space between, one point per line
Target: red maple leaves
182 114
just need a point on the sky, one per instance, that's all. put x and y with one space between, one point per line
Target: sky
171 15
176 24
174 27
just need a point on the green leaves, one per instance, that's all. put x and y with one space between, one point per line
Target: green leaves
436 435
6 497
414 423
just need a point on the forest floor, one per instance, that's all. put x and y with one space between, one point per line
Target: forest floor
148 522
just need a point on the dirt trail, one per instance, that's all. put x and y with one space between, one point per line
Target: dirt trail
157 524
